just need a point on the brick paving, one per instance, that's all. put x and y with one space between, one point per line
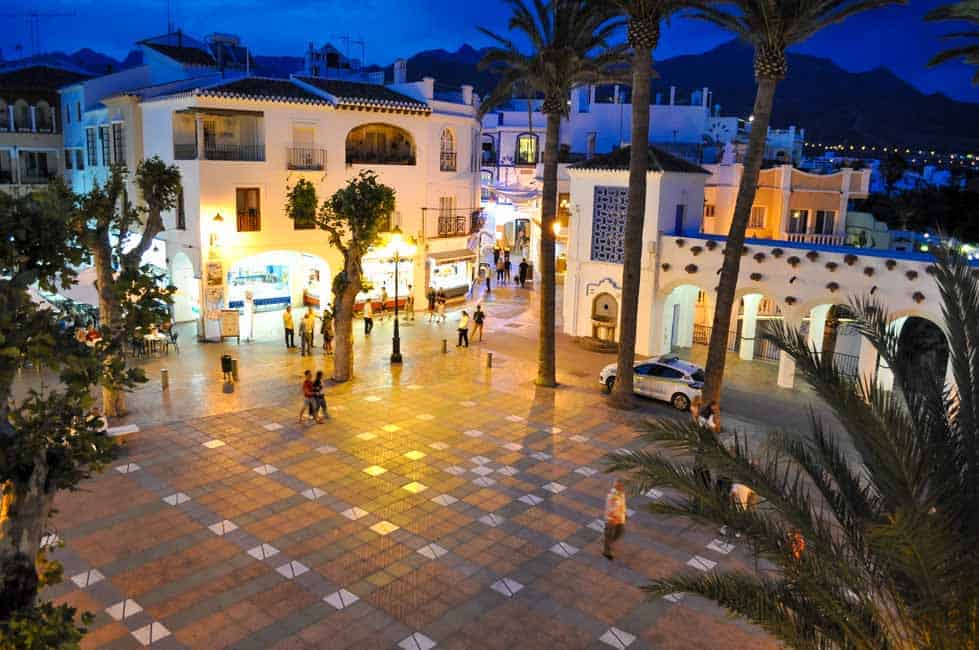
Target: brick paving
444 505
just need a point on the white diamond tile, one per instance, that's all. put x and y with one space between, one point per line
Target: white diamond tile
530 499
617 638
292 569
482 470
354 513
365 436
441 446
653 494
508 470
150 634
223 527
176 499
480 460
556 488
597 524
128 468
513 446
313 493
564 549
540 455
555 430
455 470
701 563
492 520
484 481
374 470
123 609
506 586
675 597
125 429
425 417
414 387
514 418
414 454
579 438
263 551
265 469
50 539
473 433
87 578
372 398
445 499
384 528
214 444
468 403
341 599
432 551
326 449
719 546
416 641
272 426
415 487
391 428
586 471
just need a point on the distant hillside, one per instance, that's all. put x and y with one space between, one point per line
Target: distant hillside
833 105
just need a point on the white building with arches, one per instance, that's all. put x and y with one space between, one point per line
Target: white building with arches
806 284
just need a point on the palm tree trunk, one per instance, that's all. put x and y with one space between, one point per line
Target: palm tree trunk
343 322
728 283
546 375
622 396
24 511
113 398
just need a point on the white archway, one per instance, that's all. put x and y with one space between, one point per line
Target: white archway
186 299
687 317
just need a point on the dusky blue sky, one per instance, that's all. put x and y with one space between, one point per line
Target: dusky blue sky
894 37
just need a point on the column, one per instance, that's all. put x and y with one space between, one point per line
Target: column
33 119
885 378
867 361
199 133
749 322
817 327
10 118
660 334
687 302
786 370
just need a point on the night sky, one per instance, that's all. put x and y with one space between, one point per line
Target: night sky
894 37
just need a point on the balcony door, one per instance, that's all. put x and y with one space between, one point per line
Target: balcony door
210 133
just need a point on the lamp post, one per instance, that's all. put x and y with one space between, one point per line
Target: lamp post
398 247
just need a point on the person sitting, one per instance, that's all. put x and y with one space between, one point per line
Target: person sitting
92 334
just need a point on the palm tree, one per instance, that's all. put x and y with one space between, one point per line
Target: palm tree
965 11
871 539
568 46
643 18
771 26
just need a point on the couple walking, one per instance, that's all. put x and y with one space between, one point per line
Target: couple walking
313 398
463 329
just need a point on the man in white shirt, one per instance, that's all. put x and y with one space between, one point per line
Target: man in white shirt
463 330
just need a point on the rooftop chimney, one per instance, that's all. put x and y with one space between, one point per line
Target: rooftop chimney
400 71
704 98
672 95
467 94
428 87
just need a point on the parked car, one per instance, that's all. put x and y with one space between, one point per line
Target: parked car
666 378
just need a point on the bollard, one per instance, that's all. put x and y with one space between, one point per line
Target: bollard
164 379
234 369
489 359
445 345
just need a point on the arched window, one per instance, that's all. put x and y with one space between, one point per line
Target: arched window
43 119
489 149
381 144
526 152
22 116
447 151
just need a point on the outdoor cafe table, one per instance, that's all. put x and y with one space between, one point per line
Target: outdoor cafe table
156 340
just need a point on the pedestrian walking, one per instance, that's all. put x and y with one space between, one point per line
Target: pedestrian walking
440 310
307 327
507 267
410 304
384 302
368 316
431 303
319 399
614 518
249 317
307 388
478 317
326 329
463 329
496 255
499 271
289 327
522 272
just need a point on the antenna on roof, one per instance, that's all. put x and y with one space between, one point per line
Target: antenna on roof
34 23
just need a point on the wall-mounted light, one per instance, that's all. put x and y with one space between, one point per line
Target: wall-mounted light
217 225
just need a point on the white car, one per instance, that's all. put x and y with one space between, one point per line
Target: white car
665 378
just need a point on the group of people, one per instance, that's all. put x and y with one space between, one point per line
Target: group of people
501 261
314 400
436 304
368 310
307 329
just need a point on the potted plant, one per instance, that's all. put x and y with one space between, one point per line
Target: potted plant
755 277
868 271
710 244
680 242
759 257
911 274
832 266
931 269
790 300
918 297
812 256
777 253
833 286
890 264
850 259
794 261
690 268
665 266
696 250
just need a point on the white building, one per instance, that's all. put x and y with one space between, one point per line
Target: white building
805 281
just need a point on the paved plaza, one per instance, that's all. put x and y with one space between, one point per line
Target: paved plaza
445 505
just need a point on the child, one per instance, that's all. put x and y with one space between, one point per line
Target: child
440 307
307 394
614 517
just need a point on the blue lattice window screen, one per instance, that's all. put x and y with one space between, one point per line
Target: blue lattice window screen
608 224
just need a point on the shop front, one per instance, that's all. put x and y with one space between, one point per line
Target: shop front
279 278
379 274
451 271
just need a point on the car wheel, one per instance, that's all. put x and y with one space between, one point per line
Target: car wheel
680 402
609 383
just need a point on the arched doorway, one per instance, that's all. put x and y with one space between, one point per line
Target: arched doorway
604 317
187 297
756 313
831 332
922 346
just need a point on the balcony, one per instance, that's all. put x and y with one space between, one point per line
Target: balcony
455 225
305 158
817 239
184 151
34 177
236 152
447 161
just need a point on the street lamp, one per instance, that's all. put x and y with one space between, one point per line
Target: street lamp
399 248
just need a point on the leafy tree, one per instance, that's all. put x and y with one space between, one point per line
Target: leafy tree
892 169
353 218
874 546
771 26
568 46
644 17
49 438
964 11
117 234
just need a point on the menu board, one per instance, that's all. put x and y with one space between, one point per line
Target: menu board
230 324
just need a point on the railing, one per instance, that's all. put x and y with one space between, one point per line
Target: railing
447 161
36 179
701 336
358 157
184 151
522 159
847 364
764 350
306 158
813 238
489 157
240 152
454 225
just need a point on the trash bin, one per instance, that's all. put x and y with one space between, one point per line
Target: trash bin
226 366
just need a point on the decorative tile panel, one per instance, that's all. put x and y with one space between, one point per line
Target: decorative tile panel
608 224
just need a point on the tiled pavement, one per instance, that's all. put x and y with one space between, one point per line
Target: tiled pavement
419 516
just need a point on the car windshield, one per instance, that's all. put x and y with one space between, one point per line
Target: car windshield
697 375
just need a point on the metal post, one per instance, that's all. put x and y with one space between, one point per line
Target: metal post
234 369
164 379
445 345
396 344
489 359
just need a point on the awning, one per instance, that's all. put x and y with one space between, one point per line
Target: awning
452 256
